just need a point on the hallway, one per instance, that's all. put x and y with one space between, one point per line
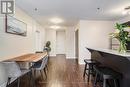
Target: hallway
64 73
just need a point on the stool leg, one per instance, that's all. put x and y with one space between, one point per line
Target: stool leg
85 70
89 73
95 81
104 82
92 71
115 83
118 82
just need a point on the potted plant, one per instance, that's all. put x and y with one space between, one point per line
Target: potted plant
122 35
47 46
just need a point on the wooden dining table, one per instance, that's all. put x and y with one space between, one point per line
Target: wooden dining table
27 60
31 58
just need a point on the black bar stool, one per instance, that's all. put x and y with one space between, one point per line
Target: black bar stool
107 74
89 63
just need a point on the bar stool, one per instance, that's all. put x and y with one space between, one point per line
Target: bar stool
89 63
107 74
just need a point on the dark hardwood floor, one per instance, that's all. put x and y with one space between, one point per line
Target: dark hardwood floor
61 72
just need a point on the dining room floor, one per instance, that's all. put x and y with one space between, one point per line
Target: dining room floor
61 72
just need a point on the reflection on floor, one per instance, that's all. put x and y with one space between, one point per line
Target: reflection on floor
62 73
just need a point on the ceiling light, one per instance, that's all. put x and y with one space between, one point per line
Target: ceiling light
56 20
55 27
35 9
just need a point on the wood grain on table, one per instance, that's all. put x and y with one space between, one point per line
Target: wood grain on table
29 57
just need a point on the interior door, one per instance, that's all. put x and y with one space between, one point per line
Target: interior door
38 41
60 42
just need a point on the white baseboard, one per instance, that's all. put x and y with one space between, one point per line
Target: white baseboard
81 63
52 55
70 57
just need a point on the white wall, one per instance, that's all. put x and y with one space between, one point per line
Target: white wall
93 34
15 45
123 20
51 36
70 43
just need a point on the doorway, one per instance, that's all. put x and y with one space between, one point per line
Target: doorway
60 42
38 41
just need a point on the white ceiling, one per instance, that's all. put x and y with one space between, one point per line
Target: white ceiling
71 11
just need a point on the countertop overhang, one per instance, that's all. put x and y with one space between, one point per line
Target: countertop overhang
114 52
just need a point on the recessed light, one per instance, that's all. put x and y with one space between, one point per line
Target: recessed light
56 20
35 9
55 27
98 8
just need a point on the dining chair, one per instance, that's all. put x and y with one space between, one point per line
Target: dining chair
47 62
39 52
3 76
15 73
41 66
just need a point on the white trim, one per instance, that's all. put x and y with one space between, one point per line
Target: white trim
81 63
53 55
75 57
71 57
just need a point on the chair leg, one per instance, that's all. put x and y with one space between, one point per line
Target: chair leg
47 67
8 82
85 70
18 82
33 78
45 72
34 73
104 83
42 74
30 79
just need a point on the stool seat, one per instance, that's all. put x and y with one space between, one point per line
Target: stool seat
107 74
90 63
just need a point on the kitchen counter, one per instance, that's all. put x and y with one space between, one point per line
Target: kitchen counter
120 62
